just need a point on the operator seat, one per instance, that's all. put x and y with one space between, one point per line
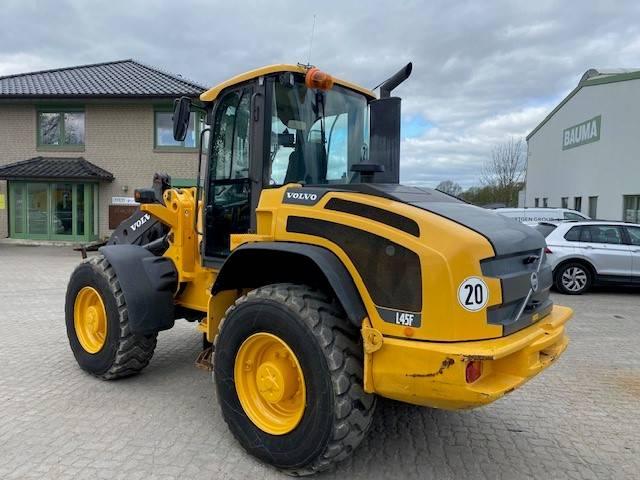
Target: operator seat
296 169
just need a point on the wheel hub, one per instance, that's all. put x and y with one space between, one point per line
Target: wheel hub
90 320
270 383
574 279
277 380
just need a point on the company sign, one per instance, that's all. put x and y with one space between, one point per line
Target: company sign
123 201
581 134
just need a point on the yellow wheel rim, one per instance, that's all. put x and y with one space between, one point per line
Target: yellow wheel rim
270 383
90 319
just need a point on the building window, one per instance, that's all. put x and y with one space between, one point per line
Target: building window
631 208
593 207
577 204
60 128
163 131
537 202
564 202
545 202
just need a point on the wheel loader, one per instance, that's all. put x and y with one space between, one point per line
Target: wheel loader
317 280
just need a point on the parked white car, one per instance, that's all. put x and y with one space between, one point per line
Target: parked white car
586 253
534 215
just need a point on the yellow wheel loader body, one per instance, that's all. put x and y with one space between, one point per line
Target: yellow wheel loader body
319 279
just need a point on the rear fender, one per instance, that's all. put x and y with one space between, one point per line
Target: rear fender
262 263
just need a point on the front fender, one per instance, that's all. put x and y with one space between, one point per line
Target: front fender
148 284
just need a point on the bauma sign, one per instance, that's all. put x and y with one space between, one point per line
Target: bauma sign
581 134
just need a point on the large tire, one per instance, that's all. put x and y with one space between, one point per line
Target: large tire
328 348
573 278
122 352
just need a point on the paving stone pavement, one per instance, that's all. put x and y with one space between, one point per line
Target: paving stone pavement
579 420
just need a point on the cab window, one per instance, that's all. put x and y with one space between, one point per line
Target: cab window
315 136
231 141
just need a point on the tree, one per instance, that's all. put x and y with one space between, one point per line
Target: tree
450 187
505 170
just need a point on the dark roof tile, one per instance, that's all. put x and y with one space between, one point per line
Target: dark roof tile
55 167
123 78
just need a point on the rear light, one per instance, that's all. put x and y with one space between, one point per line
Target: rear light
473 371
547 250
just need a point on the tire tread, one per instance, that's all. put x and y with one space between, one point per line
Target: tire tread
339 340
134 352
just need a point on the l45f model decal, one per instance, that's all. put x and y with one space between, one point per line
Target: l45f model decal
399 317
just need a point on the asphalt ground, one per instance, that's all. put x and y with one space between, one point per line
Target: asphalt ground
578 420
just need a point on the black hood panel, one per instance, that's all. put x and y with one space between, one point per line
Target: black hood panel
507 236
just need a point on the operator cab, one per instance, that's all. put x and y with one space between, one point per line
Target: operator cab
275 126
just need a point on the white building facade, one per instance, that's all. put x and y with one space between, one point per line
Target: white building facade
585 154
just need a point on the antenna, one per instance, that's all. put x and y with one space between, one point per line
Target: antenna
313 29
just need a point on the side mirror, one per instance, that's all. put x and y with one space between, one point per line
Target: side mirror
181 114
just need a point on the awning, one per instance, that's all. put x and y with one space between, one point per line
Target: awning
54 168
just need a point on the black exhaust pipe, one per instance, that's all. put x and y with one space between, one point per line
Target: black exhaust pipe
384 128
395 80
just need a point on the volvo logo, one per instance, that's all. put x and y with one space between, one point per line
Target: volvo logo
534 281
312 197
303 196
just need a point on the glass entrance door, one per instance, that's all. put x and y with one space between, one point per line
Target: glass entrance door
62 206
17 209
52 211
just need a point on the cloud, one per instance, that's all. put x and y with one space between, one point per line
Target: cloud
483 71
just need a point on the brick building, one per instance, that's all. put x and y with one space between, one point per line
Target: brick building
75 143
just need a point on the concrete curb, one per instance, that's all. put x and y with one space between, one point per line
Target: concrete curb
38 243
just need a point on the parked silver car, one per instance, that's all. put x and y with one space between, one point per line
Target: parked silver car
585 253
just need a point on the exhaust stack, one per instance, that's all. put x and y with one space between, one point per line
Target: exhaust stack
395 80
384 146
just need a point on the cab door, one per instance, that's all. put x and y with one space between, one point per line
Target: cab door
230 193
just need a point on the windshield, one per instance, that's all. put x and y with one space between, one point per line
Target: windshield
316 136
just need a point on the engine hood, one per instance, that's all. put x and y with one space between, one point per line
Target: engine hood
507 236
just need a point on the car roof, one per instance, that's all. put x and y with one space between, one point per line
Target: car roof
599 222
517 209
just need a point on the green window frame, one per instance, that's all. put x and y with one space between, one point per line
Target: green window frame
61 111
167 110
86 216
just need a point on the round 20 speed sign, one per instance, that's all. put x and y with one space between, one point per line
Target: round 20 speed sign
473 294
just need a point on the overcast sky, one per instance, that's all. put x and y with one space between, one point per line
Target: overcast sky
483 71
